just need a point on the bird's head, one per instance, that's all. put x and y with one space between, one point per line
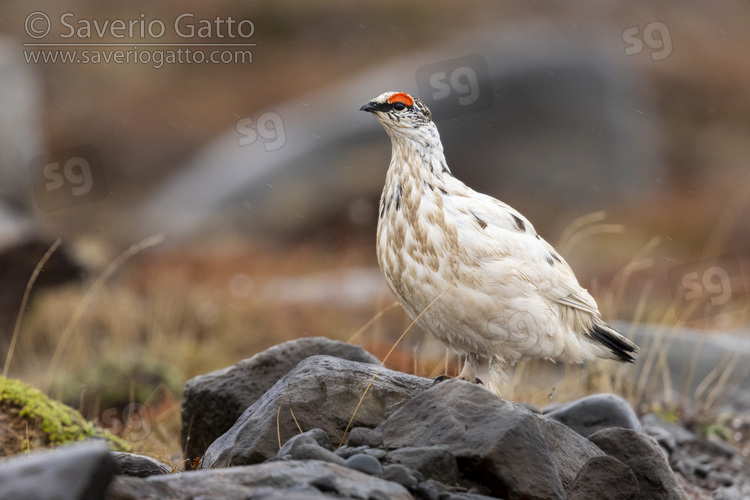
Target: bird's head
399 113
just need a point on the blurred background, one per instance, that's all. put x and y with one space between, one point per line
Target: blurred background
214 187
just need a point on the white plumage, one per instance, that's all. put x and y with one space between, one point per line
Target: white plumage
506 293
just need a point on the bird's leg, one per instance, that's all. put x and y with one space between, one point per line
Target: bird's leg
498 375
468 372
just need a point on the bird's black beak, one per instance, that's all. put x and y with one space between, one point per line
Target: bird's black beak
374 106
369 106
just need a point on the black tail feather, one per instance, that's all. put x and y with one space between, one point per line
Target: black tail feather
622 348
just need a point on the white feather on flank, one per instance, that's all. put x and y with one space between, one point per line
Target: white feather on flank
508 295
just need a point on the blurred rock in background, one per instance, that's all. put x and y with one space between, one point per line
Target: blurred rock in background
553 115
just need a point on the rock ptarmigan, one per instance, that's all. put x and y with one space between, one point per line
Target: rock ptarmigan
502 291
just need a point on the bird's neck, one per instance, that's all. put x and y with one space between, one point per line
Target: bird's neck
418 159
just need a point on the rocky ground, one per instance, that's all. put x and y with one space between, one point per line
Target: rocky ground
291 422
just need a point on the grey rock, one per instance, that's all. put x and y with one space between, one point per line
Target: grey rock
498 446
430 490
326 484
293 479
362 436
434 462
347 452
212 403
377 495
375 452
401 475
720 448
131 464
604 477
469 496
644 457
79 471
702 469
364 463
313 436
595 412
569 450
315 452
667 433
323 392
722 478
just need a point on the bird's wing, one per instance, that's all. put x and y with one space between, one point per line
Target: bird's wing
500 227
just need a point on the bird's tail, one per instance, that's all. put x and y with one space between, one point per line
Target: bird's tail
620 348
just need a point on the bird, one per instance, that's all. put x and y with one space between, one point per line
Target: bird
470 269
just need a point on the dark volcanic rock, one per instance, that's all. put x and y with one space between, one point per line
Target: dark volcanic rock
644 457
364 463
80 471
598 411
294 479
604 477
668 435
131 464
313 436
497 445
569 450
212 403
323 392
311 445
434 462
362 436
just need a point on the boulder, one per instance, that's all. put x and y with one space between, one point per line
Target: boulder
320 392
645 458
499 447
293 479
569 450
598 411
212 403
434 462
362 436
604 477
131 464
78 471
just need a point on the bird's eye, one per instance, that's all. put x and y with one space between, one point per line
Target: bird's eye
399 106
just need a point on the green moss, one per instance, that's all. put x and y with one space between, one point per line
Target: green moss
62 424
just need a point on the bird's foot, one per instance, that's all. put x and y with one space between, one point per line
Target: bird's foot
443 378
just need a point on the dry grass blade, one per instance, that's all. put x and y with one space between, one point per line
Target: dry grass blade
577 224
371 321
640 261
577 231
278 429
343 437
720 387
78 312
25 300
295 419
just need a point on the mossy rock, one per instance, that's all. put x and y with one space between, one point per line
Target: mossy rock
31 420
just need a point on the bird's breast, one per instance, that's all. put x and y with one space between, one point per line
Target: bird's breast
416 245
